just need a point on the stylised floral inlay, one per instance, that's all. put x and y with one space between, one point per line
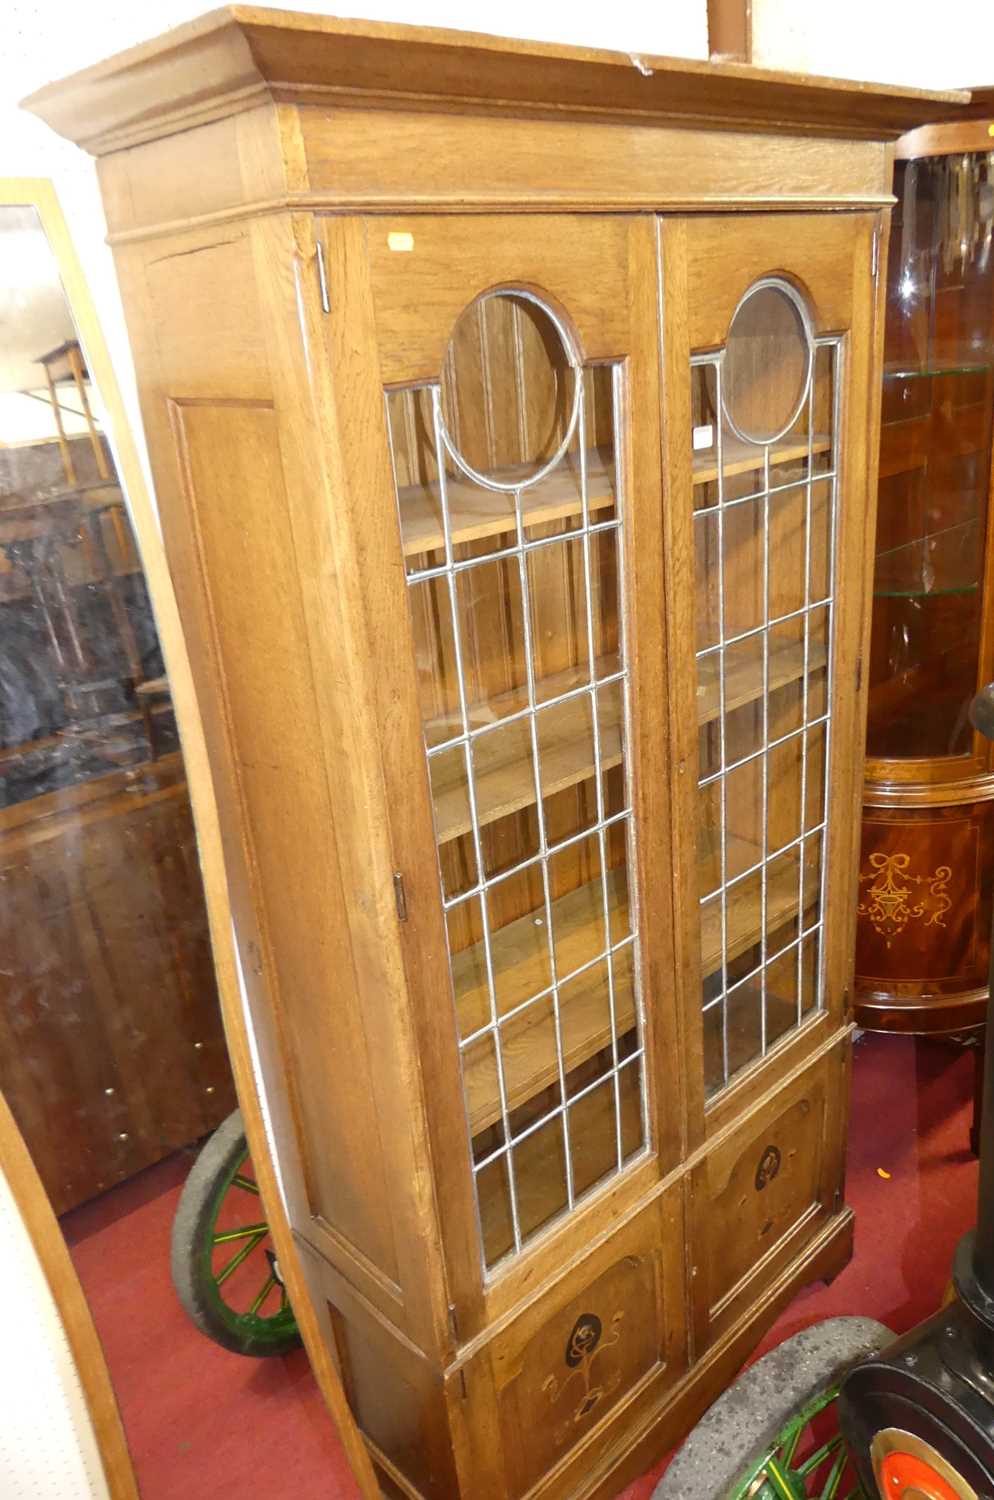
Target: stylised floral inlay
584 1347
895 897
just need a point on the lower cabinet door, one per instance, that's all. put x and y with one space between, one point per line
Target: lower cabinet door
763 1194
575 1373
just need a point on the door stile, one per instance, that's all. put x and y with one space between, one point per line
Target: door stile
442 1174
856 522
651 662
679 603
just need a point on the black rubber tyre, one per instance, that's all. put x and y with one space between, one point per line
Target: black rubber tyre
721 1455
216 1173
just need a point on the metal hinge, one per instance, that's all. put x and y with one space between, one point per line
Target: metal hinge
875 253
859 673
323 279
400 896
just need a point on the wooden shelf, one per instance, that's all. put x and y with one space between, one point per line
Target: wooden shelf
744 683
739 457
743 915
475 513
521 969
540 1179
505 780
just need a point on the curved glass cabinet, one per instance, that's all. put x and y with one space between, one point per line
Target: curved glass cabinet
924 909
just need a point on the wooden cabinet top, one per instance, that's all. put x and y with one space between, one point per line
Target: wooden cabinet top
238 57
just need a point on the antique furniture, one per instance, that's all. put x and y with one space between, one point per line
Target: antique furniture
518 519
112 1052
925 882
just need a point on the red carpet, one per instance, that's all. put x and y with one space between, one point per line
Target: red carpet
202 1422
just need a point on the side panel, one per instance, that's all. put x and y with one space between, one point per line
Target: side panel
225 375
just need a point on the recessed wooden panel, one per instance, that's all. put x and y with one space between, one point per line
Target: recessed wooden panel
765 1190
613 1325
579 265
231 459
723 263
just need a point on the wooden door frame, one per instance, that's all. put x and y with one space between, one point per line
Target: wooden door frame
40 194
858 430
481 1302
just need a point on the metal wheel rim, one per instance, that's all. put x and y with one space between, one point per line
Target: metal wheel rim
248 1242
786 1471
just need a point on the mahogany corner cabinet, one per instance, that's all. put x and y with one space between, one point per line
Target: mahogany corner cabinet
923 935
513 411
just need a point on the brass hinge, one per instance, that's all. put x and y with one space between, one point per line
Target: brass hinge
453 1322
400 896
323 279
875 254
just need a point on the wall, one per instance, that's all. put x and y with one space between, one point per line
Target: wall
41 40
914 42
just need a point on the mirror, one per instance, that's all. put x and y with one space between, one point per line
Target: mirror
112 1053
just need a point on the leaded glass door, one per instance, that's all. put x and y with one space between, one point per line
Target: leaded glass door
521 411
772 508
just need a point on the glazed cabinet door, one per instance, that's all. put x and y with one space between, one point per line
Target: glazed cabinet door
518 373
767 346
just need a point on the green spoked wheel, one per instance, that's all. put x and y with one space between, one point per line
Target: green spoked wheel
224 1269
774 1434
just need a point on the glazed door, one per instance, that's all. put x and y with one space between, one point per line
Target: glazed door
767 342
520 372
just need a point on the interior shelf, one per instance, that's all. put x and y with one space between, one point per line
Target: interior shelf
742 906
926 372
521 970
505 780
529 1041
744 682
476 513
947 562
542 1189
503 761
739 457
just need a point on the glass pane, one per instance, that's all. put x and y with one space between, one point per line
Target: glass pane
496 1219
540 1174
594 1136
767 363
935 459
764 574
521 675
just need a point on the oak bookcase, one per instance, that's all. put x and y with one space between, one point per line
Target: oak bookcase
513 412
